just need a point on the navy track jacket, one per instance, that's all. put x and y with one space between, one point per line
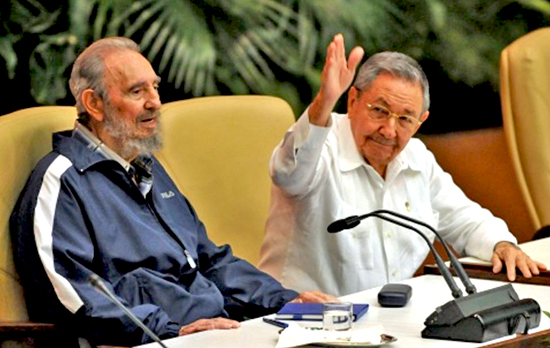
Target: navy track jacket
81 214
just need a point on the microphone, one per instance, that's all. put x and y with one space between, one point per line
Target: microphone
457 266
353 221
478 317
347 223
456 292
95 281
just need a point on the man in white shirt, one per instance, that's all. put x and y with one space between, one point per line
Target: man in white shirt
332 166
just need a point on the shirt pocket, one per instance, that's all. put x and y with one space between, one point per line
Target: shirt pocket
360 250
353 248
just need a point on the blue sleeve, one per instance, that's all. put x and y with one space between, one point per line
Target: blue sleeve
57 254
248 292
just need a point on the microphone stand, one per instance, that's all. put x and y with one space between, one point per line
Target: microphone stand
478 317
457 266
455 291
98 284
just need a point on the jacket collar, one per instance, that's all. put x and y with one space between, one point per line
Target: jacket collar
85 149
93 143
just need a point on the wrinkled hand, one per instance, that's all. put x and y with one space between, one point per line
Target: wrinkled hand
338 72
208 324
513 257
314 296
336 78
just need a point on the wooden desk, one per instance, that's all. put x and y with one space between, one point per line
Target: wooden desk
538 250
486 272
539 339
405 323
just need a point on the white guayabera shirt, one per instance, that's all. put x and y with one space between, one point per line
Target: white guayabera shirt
319 176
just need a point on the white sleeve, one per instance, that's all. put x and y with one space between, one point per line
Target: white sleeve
296 165
469 228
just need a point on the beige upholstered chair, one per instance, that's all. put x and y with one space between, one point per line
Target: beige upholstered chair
217 150
525 97
25 136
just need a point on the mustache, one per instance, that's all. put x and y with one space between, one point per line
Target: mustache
148 115
382 140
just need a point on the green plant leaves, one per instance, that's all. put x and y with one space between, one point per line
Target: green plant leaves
263 46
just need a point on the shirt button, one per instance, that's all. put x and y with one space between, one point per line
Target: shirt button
389 234
395 273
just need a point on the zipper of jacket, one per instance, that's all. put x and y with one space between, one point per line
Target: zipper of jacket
187 254
171 233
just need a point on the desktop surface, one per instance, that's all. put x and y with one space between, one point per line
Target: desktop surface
404 323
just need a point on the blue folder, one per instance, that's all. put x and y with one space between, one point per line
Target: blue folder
313 311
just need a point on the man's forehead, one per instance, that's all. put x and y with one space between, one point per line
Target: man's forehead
388 89
128 66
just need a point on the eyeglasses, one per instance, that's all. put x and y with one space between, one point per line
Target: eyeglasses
381 113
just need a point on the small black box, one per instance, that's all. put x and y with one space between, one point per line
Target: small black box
394 295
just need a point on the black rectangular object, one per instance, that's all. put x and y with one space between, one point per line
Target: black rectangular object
394 295
506 319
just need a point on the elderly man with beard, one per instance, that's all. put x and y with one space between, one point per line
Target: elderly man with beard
100 203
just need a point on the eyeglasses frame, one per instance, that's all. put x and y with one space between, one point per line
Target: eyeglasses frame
392 114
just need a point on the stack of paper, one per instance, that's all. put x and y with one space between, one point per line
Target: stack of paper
295 336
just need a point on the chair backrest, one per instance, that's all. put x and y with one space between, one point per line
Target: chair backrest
25 137
217 150
525 90
480 165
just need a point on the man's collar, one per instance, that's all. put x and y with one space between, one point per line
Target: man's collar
96 145
349 158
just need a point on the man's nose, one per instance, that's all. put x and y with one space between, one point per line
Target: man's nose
389 127
153 100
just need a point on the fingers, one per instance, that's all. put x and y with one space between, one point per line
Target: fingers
525 265
336 77
497 264
540 265
340 51
513 258
331 48
208 324
315 296
355 57
511 268
337 51
532 266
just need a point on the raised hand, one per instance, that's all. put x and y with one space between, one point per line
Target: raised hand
336 78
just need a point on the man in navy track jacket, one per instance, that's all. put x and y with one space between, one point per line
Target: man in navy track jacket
101 203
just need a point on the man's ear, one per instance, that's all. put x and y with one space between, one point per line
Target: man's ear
353 95
424 116
93 104
423 119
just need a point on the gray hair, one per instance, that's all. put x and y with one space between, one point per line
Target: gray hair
397 64
89 68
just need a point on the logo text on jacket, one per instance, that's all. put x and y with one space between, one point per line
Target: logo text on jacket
167 195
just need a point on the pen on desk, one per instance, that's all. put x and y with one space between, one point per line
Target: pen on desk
275 322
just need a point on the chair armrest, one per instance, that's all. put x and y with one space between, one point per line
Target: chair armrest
33 334
26 327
